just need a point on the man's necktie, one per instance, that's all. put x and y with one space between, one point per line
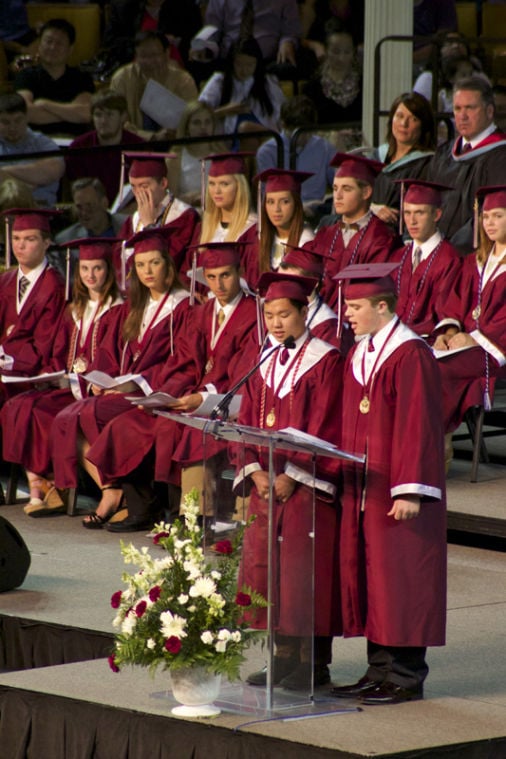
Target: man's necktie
284 356
23 284
370 345
466 148
221 317
417 256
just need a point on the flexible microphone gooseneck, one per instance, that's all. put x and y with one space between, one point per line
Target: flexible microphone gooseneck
222 407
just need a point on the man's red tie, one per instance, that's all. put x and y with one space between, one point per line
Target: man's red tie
284 356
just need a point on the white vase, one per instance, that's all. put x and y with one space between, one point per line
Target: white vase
195 688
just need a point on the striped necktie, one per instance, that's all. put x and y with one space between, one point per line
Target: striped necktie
23 284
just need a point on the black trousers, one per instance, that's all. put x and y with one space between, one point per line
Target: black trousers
402 665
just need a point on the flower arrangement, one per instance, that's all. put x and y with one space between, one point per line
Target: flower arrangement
183 609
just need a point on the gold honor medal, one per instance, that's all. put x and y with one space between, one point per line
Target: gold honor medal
271 418
209 365
476 312
364 405
9 329
80 365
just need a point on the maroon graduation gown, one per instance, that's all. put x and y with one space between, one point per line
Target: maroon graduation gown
91 415
27 418
464 373
423 293
313 406
393 573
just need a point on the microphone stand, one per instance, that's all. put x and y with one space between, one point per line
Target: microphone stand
223 405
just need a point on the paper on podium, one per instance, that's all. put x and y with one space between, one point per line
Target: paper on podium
47 377
161 105
289 439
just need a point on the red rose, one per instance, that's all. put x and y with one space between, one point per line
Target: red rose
243 599
112 663
140 608
155 593
223 546
159 536
116 599
173 645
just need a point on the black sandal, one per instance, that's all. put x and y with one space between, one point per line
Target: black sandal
94 521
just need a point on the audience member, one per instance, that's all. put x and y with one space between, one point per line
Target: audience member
393 531
429 18
244 96
429 264
315 14
313 153
150 62
109 115
184 170
28 416
15 32
31 297
90 206
57 95
473 330
475 159
41 174
410 144
336 86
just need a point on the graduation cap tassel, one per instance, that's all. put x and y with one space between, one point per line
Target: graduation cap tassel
121 180
193 278
401 213
67 275
339 311
123 266
203 184
259 208
260 320
476 223
7 242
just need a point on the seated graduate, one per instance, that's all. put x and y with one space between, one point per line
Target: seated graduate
225 336
474 320
27 418
429 265
150 341
298 387
32 295
281 221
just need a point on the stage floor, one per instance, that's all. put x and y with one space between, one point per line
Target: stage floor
75 571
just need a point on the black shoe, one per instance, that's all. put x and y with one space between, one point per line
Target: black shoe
300 677
282 667
364 685
391 693
130 524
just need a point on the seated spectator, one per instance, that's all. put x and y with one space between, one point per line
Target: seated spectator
315 14
57 95
429 18
409 146
150 62
15 32
313 153
41 174
185 169
336 86
109 114
244 97
90 206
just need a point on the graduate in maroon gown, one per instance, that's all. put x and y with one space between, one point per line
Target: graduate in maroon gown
475 317
152 346
27 418
221 330
429 265
360 236
393 533
281 221
156 205
321 320
298 387
32 297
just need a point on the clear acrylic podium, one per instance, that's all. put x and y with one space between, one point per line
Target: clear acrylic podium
289 444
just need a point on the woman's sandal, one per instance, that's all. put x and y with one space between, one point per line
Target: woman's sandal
94 521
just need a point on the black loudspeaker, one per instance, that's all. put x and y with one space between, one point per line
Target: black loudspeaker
14 557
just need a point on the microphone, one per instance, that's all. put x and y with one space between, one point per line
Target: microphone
223 405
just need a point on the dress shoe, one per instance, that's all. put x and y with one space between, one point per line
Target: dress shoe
391 693
300 677
130 524
364 685
282 666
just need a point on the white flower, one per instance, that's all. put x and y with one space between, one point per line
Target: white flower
207 637
192 570
118 619
236 636
172 624
182 599
128 625
221 646
151 644
216 575
224 634
204 586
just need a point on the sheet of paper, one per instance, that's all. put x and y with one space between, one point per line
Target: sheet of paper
161 105
155 400
212 400
47 377
106 382
451 352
